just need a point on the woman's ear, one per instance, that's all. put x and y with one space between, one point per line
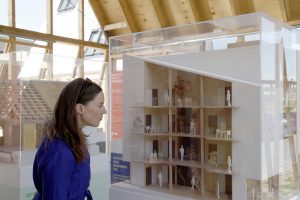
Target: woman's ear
79 108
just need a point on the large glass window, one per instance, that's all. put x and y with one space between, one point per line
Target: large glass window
95 36
2 46
65 23
28 19
4 12
90 20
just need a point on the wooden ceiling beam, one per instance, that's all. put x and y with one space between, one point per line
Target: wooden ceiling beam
128 16
193 9
220 9
199 9
156 9
115 26
98 12
95 5
23 33
160 12
286 7
240 7
294 22
292 8
283 10
271 7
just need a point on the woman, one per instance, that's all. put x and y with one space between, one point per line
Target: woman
61 169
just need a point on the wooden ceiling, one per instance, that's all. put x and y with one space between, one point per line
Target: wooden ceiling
127 16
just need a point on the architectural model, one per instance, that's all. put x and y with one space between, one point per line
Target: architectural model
199 129
24 108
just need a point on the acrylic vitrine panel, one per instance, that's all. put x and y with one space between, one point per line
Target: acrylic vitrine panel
30 85
235 81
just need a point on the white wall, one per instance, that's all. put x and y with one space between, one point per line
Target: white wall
237 64
246 125
133 92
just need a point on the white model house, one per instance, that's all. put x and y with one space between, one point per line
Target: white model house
213 123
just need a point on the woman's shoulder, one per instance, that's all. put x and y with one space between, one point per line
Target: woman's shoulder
56 147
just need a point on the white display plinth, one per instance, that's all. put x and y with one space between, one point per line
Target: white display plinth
127 191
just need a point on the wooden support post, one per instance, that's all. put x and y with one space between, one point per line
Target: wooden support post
81 37
12 68
50 44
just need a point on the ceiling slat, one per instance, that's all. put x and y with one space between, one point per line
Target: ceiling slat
200 10
129 18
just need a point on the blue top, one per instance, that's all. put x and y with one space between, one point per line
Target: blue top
57 176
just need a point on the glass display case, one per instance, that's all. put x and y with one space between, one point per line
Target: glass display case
207 110
30 84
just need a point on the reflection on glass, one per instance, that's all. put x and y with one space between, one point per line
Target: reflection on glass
27 101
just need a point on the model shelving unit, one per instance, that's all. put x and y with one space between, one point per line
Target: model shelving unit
166 109
211 105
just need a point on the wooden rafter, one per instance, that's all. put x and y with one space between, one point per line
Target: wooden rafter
100 18
274 8
294 22
283 10
292 8
160 12
199 9
156 10
193 10
114 26
287 8
98 12
220 9
242 6
128 16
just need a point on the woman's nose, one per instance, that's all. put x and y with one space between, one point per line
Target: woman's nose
104 110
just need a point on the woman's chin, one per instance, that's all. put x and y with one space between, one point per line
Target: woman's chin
94 124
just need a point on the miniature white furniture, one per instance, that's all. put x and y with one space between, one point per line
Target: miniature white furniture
229 164
181 150
193 182
160 179
192 127
228 96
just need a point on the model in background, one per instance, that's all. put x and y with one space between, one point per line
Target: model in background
62 164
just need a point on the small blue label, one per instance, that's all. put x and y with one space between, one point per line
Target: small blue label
120 170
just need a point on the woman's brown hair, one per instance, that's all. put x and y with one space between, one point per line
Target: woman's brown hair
64 123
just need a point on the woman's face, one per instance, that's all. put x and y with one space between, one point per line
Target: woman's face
92 113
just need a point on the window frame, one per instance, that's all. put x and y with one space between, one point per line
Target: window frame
66 5
94 33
